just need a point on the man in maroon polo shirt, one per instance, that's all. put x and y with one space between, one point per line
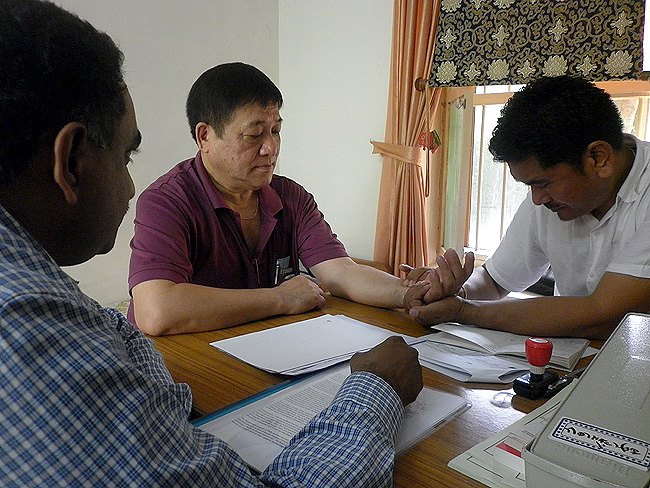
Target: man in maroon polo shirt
219 239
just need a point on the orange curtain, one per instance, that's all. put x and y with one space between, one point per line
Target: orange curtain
401 235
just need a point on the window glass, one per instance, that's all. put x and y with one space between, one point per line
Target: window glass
492 188
497 88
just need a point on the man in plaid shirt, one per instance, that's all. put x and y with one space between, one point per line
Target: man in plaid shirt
85 399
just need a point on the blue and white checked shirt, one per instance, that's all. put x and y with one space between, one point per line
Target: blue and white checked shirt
86 400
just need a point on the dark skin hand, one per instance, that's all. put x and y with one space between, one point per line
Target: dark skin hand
413 275
396 363
444 281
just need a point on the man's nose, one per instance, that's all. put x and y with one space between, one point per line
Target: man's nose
270 145
540 196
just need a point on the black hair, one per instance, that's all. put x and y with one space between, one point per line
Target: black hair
54 69
554 119
221 90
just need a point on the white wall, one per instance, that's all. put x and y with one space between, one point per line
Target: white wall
167 44
334 64
330 58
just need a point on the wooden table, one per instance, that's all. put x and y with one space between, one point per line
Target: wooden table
218 380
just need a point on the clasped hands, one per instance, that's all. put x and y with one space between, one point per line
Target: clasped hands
432 294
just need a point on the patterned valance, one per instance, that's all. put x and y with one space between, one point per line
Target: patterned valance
496 42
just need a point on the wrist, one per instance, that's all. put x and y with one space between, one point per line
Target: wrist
462 292
275 302
399 297
466 311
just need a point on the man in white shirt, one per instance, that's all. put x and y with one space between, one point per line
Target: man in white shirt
587 216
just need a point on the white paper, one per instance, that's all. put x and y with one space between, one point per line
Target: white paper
468 365
305 346
260 430
566 350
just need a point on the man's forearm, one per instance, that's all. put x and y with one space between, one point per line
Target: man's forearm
368 285
186 307
594 316
545 316
481 286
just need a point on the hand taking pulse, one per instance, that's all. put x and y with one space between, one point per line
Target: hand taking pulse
413 275
445 280
396 363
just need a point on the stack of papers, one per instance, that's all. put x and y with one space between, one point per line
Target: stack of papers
259 430
462 352
306 346
567 351
478 355
468 365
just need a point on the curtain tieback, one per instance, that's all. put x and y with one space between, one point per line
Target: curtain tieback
407 154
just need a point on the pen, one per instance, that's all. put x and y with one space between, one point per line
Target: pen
564 381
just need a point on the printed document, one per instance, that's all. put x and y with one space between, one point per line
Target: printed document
258 431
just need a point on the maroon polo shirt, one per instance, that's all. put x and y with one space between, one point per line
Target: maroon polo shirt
186 233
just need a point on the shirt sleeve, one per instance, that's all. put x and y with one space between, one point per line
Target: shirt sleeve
519 260
350 444
143 353
160 248
86 401
316 241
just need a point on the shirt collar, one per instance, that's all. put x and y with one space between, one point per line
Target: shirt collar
10 223
636 181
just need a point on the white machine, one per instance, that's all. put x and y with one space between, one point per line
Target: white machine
600 435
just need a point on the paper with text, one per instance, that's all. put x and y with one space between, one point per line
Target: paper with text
258 431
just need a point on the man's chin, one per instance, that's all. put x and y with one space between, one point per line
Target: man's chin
565 214
263 179
106 247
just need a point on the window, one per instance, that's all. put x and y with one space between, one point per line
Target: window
493 195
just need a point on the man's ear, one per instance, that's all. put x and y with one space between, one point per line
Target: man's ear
67 146
202 132
600 156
